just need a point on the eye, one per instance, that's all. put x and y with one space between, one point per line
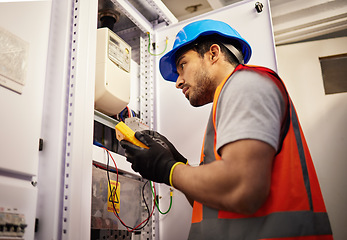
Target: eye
181 63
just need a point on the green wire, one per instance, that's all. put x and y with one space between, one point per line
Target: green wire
156 203
149 44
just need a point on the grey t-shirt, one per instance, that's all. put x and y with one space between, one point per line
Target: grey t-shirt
250 106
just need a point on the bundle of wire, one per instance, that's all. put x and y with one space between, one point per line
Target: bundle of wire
143 223
125 113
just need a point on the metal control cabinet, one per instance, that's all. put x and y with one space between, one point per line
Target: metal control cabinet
47 128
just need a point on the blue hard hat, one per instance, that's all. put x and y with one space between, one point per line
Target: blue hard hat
190 33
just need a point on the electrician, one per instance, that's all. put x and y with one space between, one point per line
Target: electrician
256 179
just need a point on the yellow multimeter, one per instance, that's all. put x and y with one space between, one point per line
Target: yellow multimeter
123 132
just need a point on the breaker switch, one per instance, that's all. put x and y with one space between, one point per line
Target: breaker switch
12 223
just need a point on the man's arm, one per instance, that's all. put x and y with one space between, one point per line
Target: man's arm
239 182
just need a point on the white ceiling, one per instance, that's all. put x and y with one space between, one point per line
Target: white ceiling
293 20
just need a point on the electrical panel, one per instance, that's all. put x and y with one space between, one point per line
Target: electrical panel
122 201
128 195
112 74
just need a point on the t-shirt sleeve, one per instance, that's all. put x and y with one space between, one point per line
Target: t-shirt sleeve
250 106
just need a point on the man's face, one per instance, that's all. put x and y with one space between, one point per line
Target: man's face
195 79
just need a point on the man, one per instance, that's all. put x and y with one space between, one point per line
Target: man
255 164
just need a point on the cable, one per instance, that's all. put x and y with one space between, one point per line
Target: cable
126 111
152 186
145 222
98 144
121 115
103 168
156 202
133 112
129 112
149 44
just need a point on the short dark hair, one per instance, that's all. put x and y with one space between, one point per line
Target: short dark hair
202 45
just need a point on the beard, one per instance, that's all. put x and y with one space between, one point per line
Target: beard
203 91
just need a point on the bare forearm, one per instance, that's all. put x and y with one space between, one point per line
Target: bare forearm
239 182
206 184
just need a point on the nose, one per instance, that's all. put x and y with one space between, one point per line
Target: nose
179 82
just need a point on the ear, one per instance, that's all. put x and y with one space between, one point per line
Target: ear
215 53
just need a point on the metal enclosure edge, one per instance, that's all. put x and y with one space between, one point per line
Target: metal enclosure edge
80 118
65 162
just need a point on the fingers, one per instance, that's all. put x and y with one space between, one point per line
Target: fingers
144 138
131 150
153 134
135 167
128 146
149 132
130 153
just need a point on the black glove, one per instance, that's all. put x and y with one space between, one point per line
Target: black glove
155 163
167 144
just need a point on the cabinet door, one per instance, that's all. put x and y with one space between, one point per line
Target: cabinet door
183 124
24 33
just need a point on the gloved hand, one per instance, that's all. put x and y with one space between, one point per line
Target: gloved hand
167 144
156 163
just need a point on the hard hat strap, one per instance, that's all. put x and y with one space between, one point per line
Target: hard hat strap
235 52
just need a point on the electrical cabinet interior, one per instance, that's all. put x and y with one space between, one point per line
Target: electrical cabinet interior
120 202
130 23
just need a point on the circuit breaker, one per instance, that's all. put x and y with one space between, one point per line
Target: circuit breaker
12 224
112 75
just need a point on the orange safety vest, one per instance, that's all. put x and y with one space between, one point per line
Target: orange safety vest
295 207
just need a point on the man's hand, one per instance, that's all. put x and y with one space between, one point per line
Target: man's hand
155 163
167 144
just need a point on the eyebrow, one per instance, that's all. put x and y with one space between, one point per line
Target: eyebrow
179 59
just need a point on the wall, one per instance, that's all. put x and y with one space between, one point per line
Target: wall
323 119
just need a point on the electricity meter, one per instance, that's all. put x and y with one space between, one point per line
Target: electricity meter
112 80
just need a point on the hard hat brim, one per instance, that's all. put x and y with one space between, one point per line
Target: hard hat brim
167 63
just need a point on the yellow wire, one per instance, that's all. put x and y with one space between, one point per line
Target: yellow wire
149 45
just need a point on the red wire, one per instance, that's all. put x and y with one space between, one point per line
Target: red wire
115 165
129 113
129 230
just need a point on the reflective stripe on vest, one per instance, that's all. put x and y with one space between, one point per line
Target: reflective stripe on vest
295 206
275 225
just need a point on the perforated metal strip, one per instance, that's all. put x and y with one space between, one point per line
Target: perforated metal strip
147 112
69 121
163 11
148 232
134 15
146 84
